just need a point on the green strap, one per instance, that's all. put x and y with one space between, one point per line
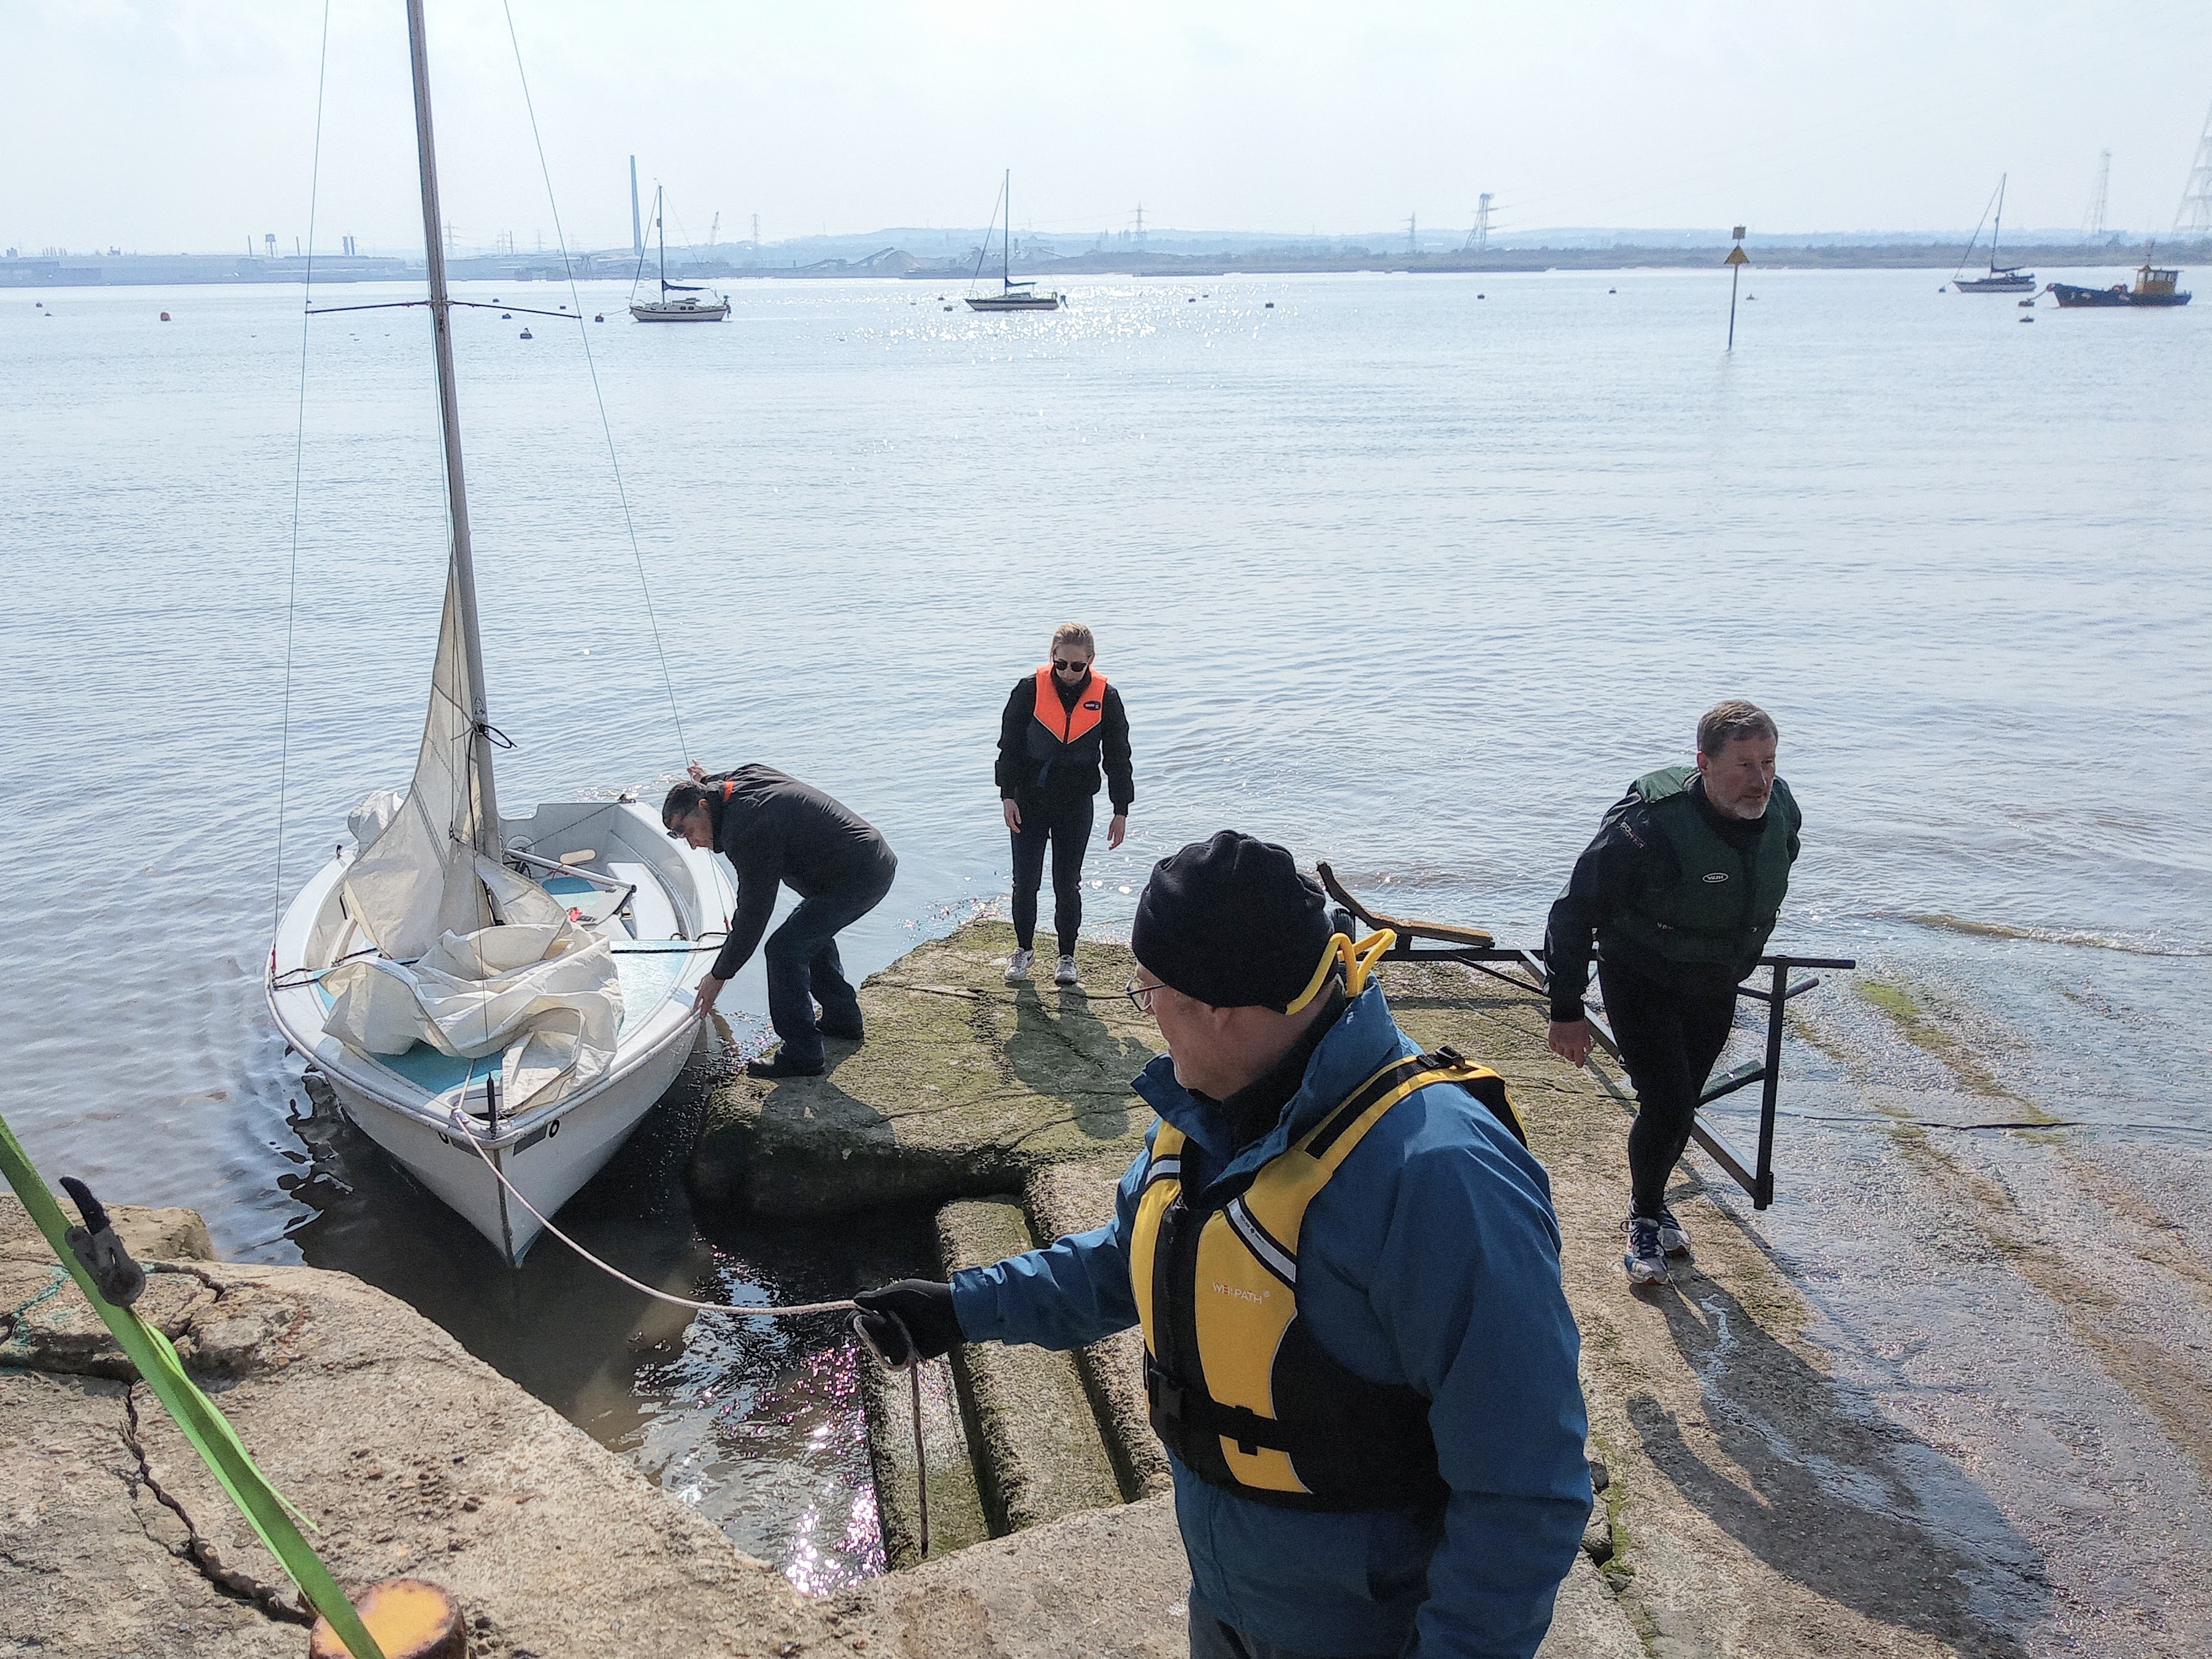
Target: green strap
208 1431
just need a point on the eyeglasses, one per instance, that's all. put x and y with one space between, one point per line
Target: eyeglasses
1141 994
1069 667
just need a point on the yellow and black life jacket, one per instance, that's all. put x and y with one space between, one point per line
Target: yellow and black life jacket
1239 1390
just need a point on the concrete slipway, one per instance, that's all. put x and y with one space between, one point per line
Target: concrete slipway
1764 1496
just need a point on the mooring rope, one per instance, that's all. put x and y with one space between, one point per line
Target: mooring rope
912 1366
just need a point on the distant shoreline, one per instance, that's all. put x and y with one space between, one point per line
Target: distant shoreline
139 270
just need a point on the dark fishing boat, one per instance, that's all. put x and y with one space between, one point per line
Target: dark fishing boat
2154 287
2002 279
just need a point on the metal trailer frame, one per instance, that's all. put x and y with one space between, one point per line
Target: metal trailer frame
1473 948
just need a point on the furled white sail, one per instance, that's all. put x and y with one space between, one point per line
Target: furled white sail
417 881
474 960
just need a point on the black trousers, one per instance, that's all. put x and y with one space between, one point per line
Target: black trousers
1670 1039
1066 826
803 967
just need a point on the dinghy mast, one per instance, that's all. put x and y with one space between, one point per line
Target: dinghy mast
461 588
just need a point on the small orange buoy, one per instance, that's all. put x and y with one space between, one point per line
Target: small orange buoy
409 1617
165 316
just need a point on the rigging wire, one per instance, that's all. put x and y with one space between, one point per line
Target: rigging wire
299 454
569 269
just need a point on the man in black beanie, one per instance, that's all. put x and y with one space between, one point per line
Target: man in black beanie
1356 1351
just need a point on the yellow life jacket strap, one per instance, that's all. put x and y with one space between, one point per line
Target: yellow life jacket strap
1358 962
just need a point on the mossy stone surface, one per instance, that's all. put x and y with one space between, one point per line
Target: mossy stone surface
1039 1453
964 1087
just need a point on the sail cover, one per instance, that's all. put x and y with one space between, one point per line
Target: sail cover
473 959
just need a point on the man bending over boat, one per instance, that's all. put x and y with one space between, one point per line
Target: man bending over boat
776 831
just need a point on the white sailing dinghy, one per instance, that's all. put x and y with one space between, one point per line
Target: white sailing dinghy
522 984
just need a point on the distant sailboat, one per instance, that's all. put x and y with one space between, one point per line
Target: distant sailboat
2002 279
1012 296
689 307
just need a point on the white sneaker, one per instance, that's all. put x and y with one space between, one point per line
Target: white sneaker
1066 973
1017 966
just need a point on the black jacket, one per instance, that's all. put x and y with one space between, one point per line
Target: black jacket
1064 772
1629 856
779 831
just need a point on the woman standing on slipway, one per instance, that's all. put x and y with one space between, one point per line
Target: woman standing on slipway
1063 724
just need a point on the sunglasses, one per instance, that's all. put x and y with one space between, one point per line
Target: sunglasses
1069 667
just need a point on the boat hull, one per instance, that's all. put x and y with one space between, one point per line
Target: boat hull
1017 302
679 313
1994 284
2074 298
407 1104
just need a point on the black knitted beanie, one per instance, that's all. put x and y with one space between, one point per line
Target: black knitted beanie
1232 922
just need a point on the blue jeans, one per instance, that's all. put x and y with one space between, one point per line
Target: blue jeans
803 966
1212 1639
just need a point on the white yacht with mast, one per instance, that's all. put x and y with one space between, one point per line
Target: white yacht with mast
689 307
1012 296
481 990
2002 279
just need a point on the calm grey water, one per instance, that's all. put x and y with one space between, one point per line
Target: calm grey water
1413 573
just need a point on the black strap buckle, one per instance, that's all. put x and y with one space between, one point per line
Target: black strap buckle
119 1279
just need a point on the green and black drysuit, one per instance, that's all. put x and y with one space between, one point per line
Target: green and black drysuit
1680 901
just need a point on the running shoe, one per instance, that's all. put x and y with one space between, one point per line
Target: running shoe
1672 1239
1066 973
1017 966
1645 1261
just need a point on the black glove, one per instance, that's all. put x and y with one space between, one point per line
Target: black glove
919 1308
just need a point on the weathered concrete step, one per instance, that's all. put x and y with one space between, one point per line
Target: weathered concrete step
956 1503
1073 1198
1038 1448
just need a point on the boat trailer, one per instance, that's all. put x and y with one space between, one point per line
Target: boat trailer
1523 969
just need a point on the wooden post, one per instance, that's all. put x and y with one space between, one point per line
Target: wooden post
409 1617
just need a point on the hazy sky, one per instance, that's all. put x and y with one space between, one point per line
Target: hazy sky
175 124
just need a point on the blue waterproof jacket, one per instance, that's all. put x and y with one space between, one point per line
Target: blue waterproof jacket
1431 1259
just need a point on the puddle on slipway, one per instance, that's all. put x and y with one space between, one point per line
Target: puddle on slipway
757 1425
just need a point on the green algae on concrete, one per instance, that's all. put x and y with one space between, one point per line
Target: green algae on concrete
1038 1450
1073 1198
964 1087
956 1506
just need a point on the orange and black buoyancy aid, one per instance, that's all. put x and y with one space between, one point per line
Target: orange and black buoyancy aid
1057 729
1238 1389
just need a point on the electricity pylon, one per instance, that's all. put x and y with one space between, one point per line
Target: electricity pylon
1479 238
2093 224
2194 217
